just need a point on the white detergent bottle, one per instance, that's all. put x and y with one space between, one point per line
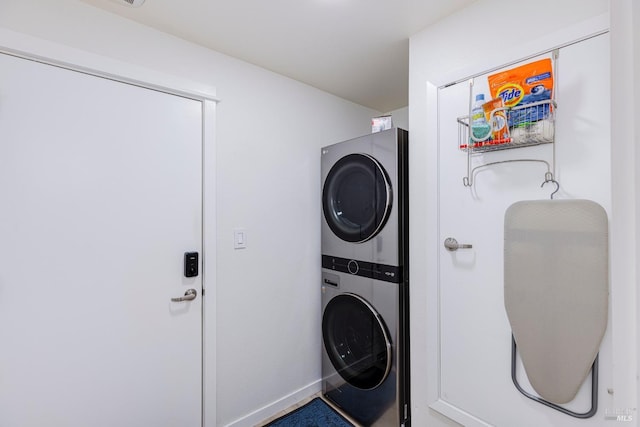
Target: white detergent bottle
480 129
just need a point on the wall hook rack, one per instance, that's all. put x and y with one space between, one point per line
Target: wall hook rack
530 124
467 181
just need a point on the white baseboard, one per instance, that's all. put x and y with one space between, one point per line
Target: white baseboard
273 408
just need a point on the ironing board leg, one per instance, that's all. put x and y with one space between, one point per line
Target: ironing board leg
594 387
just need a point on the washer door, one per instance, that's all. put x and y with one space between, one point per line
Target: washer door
356 198
356 341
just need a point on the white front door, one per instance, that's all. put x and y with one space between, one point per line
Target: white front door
100 197
475 335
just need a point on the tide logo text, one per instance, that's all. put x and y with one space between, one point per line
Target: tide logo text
511 94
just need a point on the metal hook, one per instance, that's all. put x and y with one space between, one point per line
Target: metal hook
548 177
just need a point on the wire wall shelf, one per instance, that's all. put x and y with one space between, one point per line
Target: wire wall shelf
499 125
530 124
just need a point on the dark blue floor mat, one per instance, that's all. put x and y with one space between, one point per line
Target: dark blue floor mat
314 414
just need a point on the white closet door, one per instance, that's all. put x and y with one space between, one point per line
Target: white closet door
475 335
101 196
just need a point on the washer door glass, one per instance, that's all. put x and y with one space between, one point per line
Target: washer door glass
356 198
356 341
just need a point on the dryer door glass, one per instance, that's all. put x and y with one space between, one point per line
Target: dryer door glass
356 198
356 341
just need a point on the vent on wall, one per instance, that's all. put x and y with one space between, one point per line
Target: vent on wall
130 3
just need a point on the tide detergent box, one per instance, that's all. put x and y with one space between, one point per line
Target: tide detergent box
526 84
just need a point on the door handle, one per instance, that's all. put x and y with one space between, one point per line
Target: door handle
189 295
452 244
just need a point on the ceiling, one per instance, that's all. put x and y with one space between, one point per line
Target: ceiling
355 49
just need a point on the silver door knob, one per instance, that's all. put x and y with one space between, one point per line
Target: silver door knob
189 295
452 244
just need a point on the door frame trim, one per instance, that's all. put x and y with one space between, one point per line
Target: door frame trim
58 55
62 56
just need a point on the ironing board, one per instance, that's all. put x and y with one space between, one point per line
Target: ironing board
556 290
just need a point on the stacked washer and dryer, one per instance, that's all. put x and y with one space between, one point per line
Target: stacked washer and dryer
365 295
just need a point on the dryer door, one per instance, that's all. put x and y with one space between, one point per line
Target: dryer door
356 198
356 341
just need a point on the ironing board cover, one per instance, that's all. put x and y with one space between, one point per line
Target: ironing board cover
556 290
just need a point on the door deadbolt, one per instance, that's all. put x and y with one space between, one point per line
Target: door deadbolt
190 264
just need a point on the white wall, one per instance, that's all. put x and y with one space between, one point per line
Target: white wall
400 117
480 37
625 15
634 29
269 133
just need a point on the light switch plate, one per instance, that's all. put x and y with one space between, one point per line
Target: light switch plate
239 238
